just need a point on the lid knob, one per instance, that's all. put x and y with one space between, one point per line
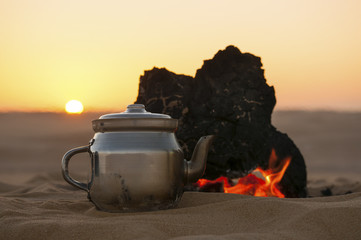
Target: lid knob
136 108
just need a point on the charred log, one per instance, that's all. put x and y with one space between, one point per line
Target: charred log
228 97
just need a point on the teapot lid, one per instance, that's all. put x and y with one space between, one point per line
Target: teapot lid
134 111
133 119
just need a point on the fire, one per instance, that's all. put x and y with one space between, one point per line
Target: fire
260 183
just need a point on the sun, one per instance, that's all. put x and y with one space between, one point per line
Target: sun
74 107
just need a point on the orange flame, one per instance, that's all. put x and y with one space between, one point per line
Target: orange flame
264 186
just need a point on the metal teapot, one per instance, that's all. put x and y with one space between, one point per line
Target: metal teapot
137 163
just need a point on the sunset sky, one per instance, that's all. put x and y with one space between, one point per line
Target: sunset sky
52 51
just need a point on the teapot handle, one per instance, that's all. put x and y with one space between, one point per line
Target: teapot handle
65 171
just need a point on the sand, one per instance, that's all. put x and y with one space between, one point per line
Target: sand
47 208
36 203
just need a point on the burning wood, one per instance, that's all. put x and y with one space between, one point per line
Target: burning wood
228 97
260 183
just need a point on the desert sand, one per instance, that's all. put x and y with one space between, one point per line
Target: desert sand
36 203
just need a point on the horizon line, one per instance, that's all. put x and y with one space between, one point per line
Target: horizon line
283 109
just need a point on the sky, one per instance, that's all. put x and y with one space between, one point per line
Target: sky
52 51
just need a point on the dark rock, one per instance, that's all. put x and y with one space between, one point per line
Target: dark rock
228 97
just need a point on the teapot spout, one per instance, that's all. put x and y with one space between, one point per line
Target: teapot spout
194 169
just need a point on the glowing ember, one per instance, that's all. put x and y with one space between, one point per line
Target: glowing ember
260 183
